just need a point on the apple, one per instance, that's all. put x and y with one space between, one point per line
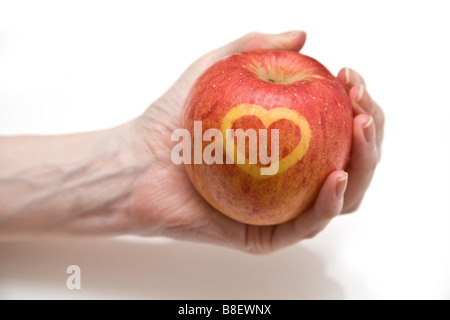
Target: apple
277 91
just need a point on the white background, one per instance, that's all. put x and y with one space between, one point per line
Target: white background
69 66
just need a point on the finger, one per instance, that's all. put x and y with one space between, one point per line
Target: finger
363 160
328 205
363 103
350 78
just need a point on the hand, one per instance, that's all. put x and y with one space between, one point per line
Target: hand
164 202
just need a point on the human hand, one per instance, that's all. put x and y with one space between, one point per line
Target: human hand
165 203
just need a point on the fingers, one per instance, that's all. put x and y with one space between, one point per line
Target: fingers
361 100
350 78
363 160
363 103
368 131
327 206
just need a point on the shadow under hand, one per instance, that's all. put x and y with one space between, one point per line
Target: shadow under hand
117 269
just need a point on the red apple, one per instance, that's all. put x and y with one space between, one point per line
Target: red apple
278 89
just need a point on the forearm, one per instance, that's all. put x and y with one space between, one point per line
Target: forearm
67 184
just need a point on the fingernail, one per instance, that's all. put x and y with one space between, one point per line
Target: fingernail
341 185
347 75
369 131
361 91
368 106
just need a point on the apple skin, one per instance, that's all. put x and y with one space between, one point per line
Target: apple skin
270 79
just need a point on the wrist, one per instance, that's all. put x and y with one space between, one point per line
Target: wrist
119 162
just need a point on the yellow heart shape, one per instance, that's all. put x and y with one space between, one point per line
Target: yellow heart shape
267 117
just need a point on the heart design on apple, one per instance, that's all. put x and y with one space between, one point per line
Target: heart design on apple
267 117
